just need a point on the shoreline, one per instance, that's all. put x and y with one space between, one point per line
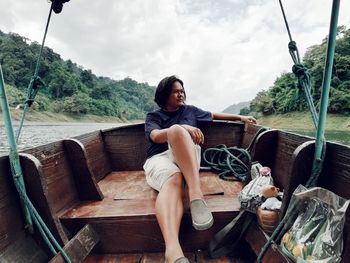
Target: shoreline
291 121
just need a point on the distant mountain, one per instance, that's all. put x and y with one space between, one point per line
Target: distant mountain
70 88
235 108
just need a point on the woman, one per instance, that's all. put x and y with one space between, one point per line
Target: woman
173 156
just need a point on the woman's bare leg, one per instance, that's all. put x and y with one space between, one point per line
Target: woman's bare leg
186 158
169 211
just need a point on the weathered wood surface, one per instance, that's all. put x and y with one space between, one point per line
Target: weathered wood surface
82 173
194 257
79 246
38 193
57 175
249 134
15 245
222 132
275 148
97 157
133 185
257 238
23 250
301 164
126 185
126 147
129 225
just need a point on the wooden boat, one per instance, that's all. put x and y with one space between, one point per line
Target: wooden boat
91 192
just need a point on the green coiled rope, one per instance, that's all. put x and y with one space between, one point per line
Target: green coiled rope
232 163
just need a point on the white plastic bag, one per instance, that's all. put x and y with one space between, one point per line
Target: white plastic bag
317 233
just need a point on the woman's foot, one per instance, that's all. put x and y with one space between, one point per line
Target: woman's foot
182 260
173 253
202 218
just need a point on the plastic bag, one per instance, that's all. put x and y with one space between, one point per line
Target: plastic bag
317 233
250 196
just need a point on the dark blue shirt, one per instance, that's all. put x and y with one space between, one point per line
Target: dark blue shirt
161 119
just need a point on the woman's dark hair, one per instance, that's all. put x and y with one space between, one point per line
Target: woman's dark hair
164 89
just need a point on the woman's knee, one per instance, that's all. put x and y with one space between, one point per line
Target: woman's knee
176 131
176 181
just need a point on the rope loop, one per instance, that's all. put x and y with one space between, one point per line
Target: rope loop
35 84
232 163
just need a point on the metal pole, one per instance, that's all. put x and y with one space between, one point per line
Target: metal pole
14 157
327 76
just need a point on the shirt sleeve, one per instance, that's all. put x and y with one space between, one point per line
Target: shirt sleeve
152 122
202 115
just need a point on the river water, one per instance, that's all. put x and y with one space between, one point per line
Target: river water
38 133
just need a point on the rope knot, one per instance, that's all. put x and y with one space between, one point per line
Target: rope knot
292 46
299 70
35 84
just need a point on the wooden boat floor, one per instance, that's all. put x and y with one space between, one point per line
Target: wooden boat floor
127 194
126 223
196 257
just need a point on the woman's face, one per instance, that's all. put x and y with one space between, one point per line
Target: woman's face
176 97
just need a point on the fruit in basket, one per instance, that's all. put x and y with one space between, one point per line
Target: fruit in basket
269 191
285 238
297 250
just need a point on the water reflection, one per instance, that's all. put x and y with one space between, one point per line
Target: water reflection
333 136
35 134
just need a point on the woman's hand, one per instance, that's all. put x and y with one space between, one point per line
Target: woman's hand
248 119
196 134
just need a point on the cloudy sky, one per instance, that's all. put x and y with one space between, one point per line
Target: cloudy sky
224 50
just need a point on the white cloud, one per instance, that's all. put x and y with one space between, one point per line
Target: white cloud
225 51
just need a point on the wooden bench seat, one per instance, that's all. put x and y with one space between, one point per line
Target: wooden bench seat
125 219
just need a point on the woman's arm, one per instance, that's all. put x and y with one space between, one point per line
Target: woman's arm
233 117
159 136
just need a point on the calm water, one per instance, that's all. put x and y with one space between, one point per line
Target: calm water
333 136
34 134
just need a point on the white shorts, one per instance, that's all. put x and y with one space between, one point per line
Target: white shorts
160 167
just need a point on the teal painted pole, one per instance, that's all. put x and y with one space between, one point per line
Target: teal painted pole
327 77
14 157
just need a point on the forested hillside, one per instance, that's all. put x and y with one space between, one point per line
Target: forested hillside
71 88
284 96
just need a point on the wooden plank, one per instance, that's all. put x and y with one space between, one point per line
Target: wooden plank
159 257
249 133
11 225
275 148
23 250
210 184
79 246
40 196
131 208
126 185
222 132
126 147
122 258
301 163
132 185
57 175
257 238
203 257
85 182
98 159
130 226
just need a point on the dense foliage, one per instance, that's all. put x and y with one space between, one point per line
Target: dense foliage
285 96
71 88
